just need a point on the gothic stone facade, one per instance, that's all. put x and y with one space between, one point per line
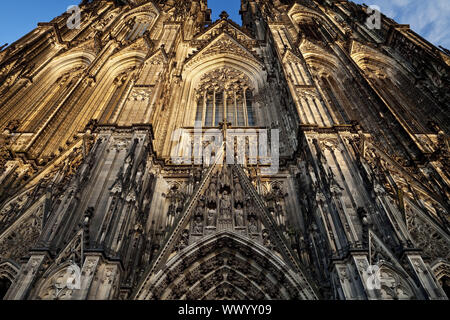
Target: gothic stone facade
88 176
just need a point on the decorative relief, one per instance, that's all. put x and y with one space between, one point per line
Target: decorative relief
427 237
15 244
378 176
176 198
226 45
225 79
227 206
306 93
223 45
62 285
393 286
140 94
189 279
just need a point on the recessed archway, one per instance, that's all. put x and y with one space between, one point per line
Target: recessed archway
226 266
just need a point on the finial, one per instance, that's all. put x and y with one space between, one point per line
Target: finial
224 15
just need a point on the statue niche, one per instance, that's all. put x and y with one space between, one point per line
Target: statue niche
225 205
212 193
176 204
239 213
238 193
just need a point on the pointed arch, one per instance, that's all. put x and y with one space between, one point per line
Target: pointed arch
395 84
372 60
224 46
395 281
137 21
441 271
88 101
48 87
9 270
331 76
60 282
225 260
209 60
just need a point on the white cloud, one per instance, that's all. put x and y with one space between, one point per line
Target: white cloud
429 18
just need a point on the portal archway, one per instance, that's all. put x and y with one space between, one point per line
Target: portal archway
226 266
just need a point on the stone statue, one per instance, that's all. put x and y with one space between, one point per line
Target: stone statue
225 177
238 192
252 226
226 205
212 191
266 239
198 225
211 221
200 209
239 216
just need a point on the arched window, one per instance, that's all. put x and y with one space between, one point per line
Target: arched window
225 94
249 104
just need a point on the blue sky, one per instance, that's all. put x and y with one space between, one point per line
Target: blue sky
430 18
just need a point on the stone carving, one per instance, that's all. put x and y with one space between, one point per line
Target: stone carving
227 45
198 226
252 225
393 286
212 191
140 94
427 237
238 192
176 202
225 79
22 237
239 216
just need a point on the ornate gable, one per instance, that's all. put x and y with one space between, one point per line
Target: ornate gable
224 44
228 27
226 206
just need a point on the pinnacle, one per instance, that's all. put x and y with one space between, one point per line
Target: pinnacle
224 15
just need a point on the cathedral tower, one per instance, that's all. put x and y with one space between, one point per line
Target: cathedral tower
150 153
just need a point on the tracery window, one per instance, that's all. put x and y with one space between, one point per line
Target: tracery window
225 94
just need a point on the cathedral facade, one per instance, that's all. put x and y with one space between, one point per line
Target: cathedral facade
151 153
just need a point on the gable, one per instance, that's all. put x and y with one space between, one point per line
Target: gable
225 26
224 44
225 201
